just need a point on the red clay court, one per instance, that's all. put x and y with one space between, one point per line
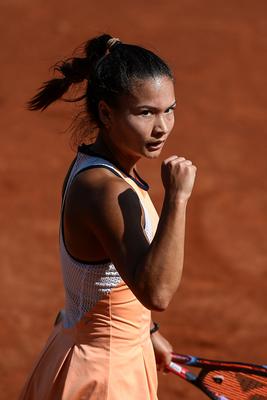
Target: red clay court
218 51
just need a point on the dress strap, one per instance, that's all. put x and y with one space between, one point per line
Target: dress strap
87 149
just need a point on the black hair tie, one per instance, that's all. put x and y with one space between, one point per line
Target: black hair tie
155 328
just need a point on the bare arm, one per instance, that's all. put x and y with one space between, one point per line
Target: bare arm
112 211
163 263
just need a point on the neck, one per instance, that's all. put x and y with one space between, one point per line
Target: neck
106 148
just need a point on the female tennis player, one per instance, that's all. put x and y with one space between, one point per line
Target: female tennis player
119 259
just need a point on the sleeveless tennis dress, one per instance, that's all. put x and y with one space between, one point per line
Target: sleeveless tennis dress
101 349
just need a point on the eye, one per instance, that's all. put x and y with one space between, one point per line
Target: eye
146 113
170 110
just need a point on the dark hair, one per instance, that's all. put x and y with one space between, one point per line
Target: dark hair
110 71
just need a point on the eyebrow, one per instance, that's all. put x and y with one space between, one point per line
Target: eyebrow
155 108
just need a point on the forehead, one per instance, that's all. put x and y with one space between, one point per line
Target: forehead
155 92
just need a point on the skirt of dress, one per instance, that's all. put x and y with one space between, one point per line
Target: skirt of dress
108 355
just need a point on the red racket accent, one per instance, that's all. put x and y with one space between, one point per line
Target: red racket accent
223 380
235 385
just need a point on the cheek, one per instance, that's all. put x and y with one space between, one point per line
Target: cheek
171 121
141 126
172 125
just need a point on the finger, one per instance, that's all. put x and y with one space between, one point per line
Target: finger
188 162
180 159
172 158
169 159
166 371
183 161
159 367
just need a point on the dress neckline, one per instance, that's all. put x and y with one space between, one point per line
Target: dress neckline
86 149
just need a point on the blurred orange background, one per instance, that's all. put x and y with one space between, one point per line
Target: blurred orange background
218 52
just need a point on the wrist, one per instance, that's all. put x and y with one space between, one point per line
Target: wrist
175 203
176 197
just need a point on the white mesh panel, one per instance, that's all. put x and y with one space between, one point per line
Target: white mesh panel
85 284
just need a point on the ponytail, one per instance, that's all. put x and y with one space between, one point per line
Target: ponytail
74 70
110 67
50 91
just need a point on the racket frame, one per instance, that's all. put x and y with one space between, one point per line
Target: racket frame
179 360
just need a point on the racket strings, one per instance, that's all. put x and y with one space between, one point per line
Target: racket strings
235 385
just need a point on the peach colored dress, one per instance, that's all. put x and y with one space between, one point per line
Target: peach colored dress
101 349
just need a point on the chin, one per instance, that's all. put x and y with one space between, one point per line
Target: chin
152 154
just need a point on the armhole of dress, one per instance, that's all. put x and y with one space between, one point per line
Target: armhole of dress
64 195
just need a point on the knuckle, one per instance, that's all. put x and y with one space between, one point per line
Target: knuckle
169 160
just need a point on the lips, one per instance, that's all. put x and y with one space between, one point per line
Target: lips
155 145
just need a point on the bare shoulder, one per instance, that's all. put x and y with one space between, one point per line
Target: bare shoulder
98 185
98 192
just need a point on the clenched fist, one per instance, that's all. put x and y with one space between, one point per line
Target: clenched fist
178 177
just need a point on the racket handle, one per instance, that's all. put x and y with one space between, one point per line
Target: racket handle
179 370
175 367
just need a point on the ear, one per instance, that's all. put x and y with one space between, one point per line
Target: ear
105 113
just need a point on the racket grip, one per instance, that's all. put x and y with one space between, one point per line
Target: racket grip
179 370
175 367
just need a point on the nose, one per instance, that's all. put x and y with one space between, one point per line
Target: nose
160 126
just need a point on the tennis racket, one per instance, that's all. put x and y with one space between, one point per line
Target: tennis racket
223 380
